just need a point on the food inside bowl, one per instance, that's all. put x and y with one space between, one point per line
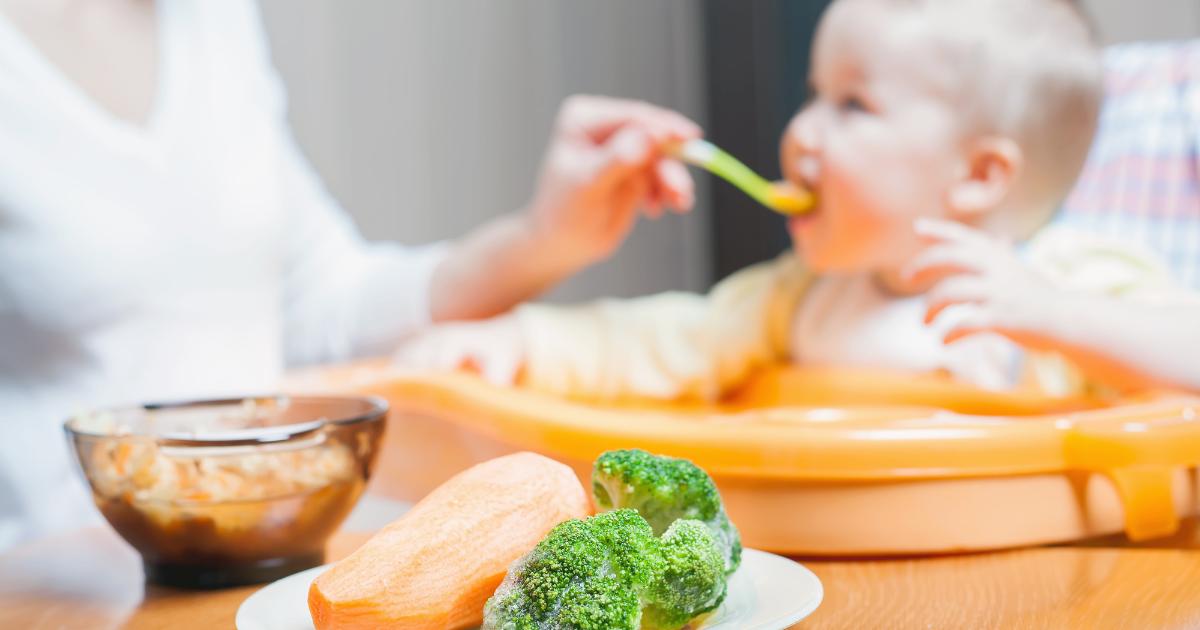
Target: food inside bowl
142 471
231 491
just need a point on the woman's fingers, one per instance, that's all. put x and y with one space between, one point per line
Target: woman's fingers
676 184
598 118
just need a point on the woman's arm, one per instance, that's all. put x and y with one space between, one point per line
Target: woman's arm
604 162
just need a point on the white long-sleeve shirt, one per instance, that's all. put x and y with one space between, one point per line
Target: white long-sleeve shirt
189 257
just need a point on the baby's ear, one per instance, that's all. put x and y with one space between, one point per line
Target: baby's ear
987 178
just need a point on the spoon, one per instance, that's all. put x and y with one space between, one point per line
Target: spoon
780 197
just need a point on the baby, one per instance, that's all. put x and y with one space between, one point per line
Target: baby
940 133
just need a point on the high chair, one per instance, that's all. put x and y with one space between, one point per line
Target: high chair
831 462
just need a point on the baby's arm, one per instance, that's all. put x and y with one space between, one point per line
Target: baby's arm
1135 343
1120 337
666 346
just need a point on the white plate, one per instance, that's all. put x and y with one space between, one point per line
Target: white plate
768 592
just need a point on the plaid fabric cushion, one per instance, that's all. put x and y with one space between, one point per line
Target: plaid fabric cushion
1142 178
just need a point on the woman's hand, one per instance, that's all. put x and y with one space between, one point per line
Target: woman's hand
606 161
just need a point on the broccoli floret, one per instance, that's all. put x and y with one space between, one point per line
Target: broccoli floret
585 574
693 577
600 573
663 490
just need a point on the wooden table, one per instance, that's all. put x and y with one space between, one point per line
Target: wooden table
90 579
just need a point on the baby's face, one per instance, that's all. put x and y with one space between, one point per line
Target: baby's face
880 143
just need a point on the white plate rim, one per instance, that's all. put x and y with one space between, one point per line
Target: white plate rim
814 585
813 589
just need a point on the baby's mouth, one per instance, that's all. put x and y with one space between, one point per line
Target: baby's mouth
798 224
809 191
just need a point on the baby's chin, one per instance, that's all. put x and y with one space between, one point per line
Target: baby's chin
822 259
822 250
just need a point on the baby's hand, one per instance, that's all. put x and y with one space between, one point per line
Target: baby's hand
606 160
968 266
493 348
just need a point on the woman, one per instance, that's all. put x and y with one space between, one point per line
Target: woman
161 236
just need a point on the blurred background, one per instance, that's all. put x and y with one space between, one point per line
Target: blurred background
427 117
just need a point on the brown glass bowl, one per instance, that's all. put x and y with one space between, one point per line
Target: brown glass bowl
225 492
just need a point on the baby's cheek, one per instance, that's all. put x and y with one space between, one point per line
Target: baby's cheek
886 214
872 242
895 242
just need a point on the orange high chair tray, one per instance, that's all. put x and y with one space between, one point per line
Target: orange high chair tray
831 462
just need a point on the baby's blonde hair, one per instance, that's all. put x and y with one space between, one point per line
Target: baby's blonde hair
1030 70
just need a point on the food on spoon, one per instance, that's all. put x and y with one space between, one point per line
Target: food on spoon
436 565
611 572
663 490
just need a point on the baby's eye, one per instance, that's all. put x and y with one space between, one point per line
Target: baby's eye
851 104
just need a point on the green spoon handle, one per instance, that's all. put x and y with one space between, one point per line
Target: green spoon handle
711 158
